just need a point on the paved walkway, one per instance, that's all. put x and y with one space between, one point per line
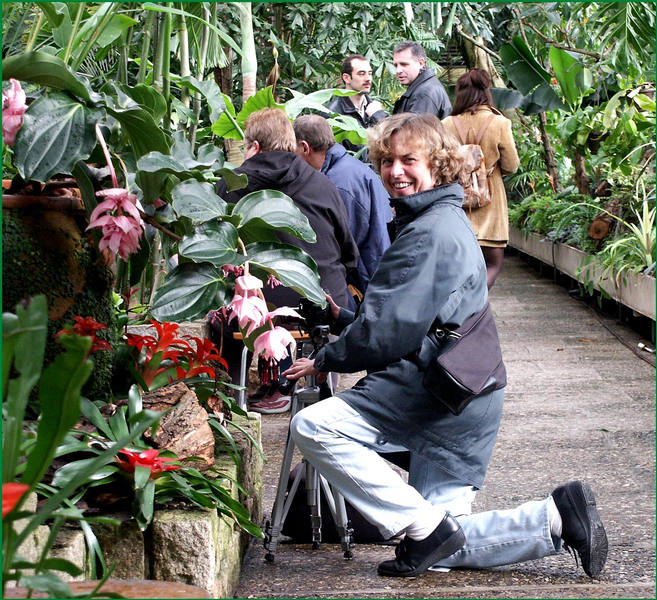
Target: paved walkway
579 404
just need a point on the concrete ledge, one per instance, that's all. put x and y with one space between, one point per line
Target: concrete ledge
633 290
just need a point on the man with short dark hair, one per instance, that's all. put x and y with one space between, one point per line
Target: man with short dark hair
424 93
357 75
361 189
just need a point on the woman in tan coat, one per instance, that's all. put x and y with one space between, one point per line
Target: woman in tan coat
475 113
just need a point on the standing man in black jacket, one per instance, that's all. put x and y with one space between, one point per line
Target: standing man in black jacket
424 93
357 75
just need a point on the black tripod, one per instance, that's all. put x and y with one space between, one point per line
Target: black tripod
311 393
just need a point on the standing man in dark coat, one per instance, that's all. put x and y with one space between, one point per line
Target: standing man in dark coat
365 198
424 93
357 75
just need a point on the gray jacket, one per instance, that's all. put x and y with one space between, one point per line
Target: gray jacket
433 269
425 95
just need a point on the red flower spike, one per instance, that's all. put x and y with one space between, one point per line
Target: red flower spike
147 458
11 494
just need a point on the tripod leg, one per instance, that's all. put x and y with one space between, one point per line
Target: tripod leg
339 512
313 499
273 527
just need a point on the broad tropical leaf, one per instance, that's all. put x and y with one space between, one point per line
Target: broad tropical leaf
276 210
189 292
573 78
292 266
46 70
214 242
529 77
57 131
197 200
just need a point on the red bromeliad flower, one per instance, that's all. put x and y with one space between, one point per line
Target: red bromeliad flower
205 351
147 458
87 326
11 494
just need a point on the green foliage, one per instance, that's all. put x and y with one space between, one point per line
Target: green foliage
33 264
29 457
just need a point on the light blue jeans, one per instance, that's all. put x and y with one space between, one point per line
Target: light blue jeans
344 448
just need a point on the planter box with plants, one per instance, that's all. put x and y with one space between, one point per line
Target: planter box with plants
634 290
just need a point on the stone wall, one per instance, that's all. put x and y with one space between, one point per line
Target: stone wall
192 546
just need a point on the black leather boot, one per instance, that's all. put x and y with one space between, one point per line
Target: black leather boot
414 557
582 528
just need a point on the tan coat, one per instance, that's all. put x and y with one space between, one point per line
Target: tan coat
490 223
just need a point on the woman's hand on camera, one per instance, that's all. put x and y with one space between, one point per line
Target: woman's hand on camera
333 307
301 368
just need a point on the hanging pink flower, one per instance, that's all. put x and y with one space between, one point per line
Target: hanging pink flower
120 222
273 344
272 282
249 310
247 283
234 269
13 107
283 311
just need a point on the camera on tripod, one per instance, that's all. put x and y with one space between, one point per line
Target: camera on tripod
317 322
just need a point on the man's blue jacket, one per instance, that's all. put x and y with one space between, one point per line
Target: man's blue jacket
368 207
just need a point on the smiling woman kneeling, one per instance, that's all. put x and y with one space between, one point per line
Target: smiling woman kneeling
432 276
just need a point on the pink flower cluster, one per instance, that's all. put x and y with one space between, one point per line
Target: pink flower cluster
13 107
118 218
250 309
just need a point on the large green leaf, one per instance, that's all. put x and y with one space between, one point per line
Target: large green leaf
234 181
181 162
189 292
23 345
59 397
292 266
144 134
347 128
148 98
573 78
46 70
226 125
529 77
230 126
210 91
197 200
315 101
276 210
57 131
214 242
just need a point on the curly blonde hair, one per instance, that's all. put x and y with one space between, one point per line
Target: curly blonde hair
421 133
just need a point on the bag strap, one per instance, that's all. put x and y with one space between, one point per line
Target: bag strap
459 129
480 135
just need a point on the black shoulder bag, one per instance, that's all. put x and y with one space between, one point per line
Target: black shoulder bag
469 364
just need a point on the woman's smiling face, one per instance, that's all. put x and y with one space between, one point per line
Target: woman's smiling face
405 170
